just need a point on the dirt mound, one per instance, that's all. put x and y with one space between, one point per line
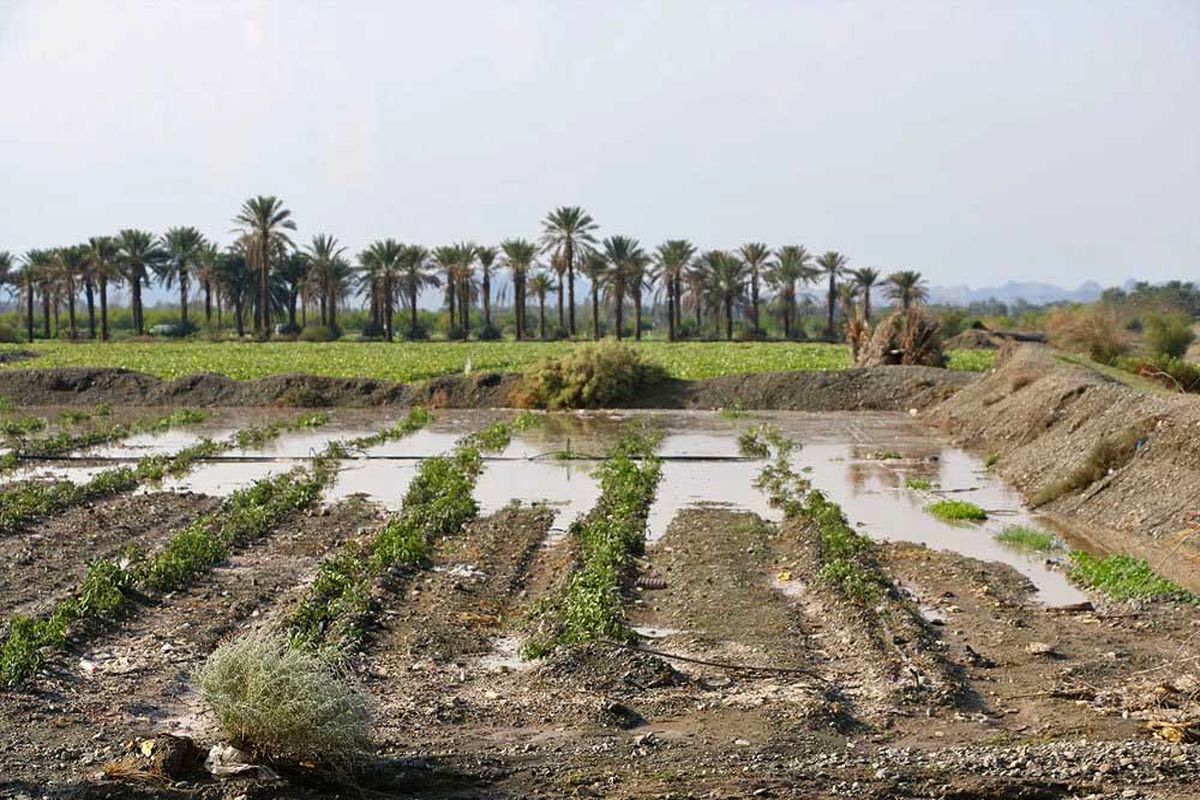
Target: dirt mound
910 338
883 389
1048 421
974 339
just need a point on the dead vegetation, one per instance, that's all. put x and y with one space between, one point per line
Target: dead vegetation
910 338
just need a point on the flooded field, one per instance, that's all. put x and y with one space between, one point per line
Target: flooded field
862 461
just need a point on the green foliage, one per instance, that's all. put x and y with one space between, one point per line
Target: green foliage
888 455
753 444
918 484
285 705
591 376
22 426
525 420
319 333
1169 335
845 555
590 607
1173 373
437 503
971 360
493 438
956 511
1123 577
1025 538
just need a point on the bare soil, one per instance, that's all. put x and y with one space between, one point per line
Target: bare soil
880 389
1039 417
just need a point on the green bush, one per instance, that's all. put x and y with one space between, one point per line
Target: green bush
319 333
1124 577
1169 335
956 510
284 704
590 376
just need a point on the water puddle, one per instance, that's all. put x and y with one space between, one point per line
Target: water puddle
842 453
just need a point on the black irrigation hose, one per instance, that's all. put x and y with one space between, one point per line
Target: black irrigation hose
718 664
269 458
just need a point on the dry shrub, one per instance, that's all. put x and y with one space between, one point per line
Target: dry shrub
590 376
1093 331
1108 455
1169 335
285 704
911 337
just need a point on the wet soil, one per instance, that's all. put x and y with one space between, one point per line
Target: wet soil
48 559
883 388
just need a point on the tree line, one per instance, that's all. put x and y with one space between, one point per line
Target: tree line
264 276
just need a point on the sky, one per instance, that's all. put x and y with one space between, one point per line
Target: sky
975 142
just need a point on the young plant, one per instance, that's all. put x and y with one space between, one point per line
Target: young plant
956 511
1031 539
1123 577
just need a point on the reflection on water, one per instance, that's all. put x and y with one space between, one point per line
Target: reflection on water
841 452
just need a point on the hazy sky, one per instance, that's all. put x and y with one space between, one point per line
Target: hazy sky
976 142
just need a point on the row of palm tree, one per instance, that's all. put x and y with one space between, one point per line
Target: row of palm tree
264 274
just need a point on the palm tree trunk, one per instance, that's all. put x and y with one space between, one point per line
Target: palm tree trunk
569 252
595 311
728 318
29 310
542 315
183 295
519 301
487 299
331 308
136 298
699 316
620 303
450 293
207 303
464 306
89 293
264 291
239 309
637 316
562 315
832 297
670 309
412 310
103 308
754 297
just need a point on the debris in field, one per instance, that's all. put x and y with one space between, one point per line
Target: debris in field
911 337
226 761
161 760
87 667
651 582
468 572
1176 732
1040 649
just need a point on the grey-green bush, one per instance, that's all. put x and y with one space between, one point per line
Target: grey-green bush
284 704
1169 335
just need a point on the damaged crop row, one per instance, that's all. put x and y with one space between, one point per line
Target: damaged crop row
31 500
438 502
64 441
590 607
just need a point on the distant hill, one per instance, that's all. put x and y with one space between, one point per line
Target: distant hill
1010 292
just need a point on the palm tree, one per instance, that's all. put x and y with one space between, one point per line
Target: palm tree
380 262
540 283
138 254
293 273
446 258
235 279
464 280
29 283
558 263
206 273
329 272
866 279
518 256
908 287
263 221
726 277
595 268
833 264
70 263
567 230
415 275
671 258
792 266
487 257
627 263
755 256
183 246
101 260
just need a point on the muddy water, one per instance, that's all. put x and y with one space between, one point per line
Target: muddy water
701 466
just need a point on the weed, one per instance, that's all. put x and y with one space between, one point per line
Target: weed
285 705
22 426
1169 335
103 410
956 511
1124 577
753 443
1108 455
493 438
734 412
888 455
918 484
6 405
844 554
1024 538
991 461
525 420
590 376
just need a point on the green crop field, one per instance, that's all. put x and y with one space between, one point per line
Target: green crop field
403 361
